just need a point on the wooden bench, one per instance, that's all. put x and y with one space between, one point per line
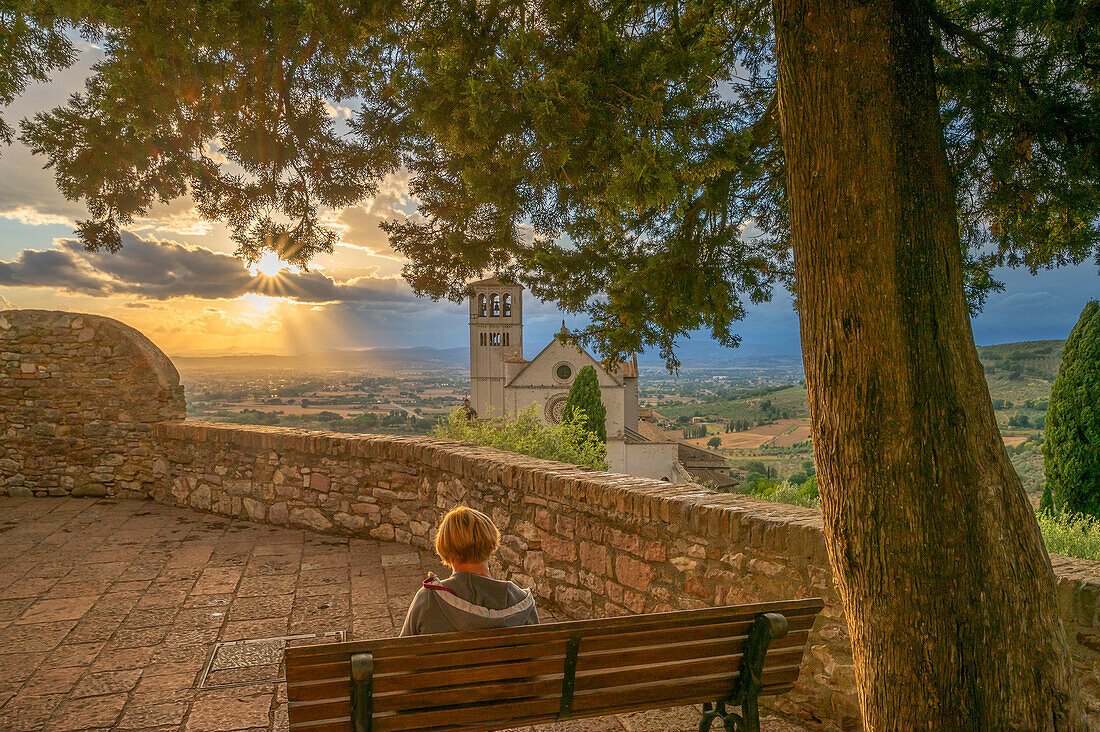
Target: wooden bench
512 677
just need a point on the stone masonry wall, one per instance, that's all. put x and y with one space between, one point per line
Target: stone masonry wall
78 396
595 543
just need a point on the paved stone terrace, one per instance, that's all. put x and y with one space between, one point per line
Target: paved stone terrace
109 611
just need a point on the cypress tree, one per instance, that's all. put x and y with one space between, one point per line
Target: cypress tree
585 395
1046 502
1071 451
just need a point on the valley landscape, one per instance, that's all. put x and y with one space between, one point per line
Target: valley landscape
755 406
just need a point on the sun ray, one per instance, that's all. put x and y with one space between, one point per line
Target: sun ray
269 265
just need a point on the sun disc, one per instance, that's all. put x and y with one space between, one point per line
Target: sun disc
269 265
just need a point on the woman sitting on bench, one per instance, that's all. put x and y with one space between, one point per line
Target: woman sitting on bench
469 599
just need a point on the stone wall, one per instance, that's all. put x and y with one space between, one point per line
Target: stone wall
593 543
78 396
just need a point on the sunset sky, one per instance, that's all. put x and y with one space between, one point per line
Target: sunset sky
176 279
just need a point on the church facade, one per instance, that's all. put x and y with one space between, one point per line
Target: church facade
503 382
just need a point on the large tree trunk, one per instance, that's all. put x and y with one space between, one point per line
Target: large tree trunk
946 585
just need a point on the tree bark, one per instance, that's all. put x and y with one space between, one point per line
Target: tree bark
945 581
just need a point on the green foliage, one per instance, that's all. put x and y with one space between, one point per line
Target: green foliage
1071 535
1072 449
786 491
693 431
1027 459
1046 501
584 404
32 44
395 422
714 442
608 156
526 433
746 410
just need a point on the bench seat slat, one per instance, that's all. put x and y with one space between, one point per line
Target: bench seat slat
466 657
655 642
598 702
477 674
661 672
536 687
518 712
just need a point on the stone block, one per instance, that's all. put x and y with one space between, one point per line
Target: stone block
255 510
593 557
633 573
90 490
558 549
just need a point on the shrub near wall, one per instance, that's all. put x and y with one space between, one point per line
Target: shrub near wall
595 543
78 396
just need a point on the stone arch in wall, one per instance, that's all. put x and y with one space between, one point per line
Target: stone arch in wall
79 395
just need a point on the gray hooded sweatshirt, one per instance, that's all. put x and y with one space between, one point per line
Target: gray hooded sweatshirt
466 601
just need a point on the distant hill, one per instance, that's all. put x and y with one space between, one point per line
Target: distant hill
1015 372
380 360
1035 359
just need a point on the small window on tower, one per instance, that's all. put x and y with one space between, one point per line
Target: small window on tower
494 305
484 340
505 337
482 308
507 307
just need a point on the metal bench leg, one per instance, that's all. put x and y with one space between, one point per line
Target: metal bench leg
766 628
362 692
712 712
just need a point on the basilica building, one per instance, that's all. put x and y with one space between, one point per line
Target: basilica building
503 382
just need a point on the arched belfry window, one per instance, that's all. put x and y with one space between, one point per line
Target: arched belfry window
494 305
482 308
507 306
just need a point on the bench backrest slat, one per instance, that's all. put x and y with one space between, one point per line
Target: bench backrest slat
494 679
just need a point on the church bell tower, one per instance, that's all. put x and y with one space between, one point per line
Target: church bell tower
496 336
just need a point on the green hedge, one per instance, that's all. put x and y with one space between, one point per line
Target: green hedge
527 434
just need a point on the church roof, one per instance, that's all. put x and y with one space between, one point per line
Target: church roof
492 282
616 377
653 433
627 369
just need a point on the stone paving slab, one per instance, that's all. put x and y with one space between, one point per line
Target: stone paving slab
110 610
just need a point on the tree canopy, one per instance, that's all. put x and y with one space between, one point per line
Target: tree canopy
584 401
621 159
1071 450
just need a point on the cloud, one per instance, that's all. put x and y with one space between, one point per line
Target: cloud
358 225
156 269
6 304
1036 307
30 216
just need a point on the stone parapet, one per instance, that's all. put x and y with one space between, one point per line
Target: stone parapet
78 396
594 543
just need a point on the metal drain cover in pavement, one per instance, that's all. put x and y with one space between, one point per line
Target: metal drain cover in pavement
256 660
